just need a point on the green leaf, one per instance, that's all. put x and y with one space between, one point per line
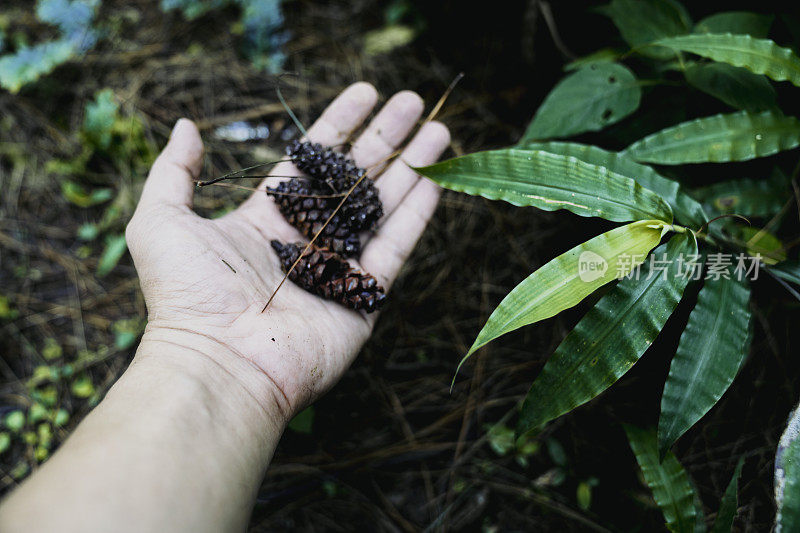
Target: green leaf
15 421
736 86
82 387
642 22
5 442
609 340
711 351
671 486
113 252
738 22
588 100
719 138
761 56
572 276
687 210
787 270
604 55
750 198
730 502
761 242
303 422
787 462
550 182
100 117
78 195
28 64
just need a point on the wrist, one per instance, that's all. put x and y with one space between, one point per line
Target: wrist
217 374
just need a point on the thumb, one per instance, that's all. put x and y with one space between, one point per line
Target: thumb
171 179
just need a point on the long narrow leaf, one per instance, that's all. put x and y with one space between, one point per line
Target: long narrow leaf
687 211
550 182
588 100
761 56
729 503
709 355
572 276
671 486
609 340
719 138
740 22
736 86
787 270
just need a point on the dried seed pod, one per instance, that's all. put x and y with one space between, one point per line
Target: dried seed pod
308 203
329 275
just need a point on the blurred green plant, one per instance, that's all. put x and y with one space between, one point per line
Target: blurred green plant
107 136
260 25
24 63
729 57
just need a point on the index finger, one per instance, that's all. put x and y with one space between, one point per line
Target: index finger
339 120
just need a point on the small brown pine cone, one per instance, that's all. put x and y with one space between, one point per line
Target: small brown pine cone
329 275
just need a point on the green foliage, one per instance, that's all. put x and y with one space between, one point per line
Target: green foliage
114 249
588 100
671 486
788 513
737 65
737 22
746 197
642 22
710 353
260 24
74 19
761 56
736 86
719 139
549 181
303 422
569 278
609 339
687 211
730 502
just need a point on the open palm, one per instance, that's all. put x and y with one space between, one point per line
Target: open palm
209 279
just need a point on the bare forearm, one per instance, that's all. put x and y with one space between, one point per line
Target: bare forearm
177 445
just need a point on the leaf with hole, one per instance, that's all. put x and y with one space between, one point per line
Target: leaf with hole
612 336
737 22
736 86
710 353
588 100
641 23
719 138
672 489
687 211
761 56
550 182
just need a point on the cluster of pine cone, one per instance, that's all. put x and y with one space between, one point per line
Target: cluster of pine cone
307 203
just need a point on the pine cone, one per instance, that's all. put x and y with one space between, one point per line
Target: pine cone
330 276
331 173
323 163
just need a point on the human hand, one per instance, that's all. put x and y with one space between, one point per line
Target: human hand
205 281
